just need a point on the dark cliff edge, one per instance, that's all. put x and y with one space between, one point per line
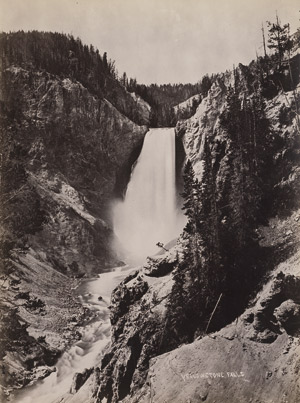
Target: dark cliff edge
65 148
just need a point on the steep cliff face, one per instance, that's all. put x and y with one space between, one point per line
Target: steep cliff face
204 123
129 104
136 339
187 109
77 151
77 148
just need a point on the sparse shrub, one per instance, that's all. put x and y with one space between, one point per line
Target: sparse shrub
41 339
285 116
23 295
34 303
155 299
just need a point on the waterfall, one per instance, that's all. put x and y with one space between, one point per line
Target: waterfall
148 213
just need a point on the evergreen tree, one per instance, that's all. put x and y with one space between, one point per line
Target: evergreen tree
124 80
189 196
197 277
249 145
209 221
279 38
105 62
176 309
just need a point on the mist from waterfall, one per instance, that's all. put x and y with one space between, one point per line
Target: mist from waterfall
149 213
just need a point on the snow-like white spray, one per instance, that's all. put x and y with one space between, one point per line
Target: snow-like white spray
148 214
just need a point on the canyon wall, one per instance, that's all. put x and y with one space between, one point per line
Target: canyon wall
74 151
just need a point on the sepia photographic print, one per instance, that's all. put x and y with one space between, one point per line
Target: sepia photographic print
149 201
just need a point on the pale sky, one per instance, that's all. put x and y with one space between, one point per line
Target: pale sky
158 41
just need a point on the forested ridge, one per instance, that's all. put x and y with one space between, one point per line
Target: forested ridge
163 98
65 56
58 54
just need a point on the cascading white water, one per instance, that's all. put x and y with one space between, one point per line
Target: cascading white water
148 213
85 352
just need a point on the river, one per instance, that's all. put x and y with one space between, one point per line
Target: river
86 352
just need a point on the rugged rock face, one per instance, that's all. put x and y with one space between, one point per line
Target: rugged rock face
78 151
40 317
187 109
129 104
71 131
125 365
205 123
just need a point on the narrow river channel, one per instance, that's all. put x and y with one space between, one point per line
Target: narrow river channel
85 352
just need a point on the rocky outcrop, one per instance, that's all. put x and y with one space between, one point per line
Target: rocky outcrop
129 104
187 109
41 316
135 340
205 123
223 368
79 380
